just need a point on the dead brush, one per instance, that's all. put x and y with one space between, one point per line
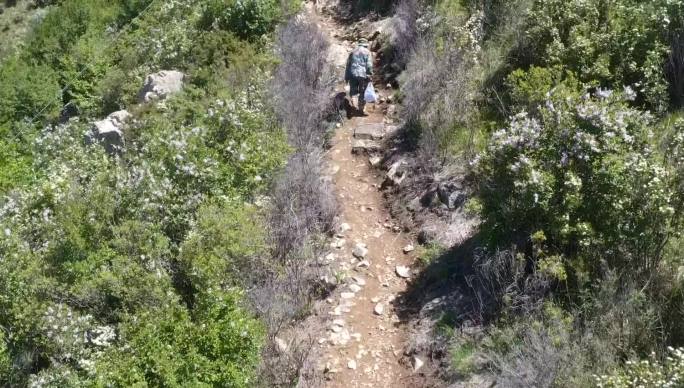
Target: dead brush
303 84
302 206
405 32
439 97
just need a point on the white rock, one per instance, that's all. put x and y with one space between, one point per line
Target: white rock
417 363
359 280
347 295
339 322
329 258
343 228
110 131
409 248
332 169
375 299
374 161
403 271
338 243
351 364
341 338
160 85
396 174
120 117
281 345
354 288
379 309
360 251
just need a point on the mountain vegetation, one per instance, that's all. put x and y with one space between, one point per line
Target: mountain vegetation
175 257
136 268
568 117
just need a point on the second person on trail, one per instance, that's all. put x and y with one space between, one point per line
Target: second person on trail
358 73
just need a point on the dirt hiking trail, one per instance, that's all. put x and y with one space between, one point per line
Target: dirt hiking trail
365 340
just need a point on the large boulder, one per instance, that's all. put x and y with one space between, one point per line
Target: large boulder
451 194
110 131
160 85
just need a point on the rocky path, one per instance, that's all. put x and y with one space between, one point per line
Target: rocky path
364 342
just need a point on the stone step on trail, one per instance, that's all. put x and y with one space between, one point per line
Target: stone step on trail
361 146
370 131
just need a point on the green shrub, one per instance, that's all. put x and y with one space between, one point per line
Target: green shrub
30 92
528 89
247 19
585 177
615 44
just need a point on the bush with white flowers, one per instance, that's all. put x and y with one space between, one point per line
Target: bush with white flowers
584 173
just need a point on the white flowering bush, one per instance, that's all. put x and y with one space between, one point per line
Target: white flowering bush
583 178
128 269
667 372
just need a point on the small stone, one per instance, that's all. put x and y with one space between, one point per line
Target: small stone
351 364
354 288
379 309
417 363
338 243
358 280
375 299
339 322
363 264
332 169
360 251
343 228
322 341
375 161
409 248
403 271
347 295
281 344
356 336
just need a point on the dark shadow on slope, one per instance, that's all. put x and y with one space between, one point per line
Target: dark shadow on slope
444 277
351 11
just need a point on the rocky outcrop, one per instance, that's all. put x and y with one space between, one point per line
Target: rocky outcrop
161 85
110 132
396 174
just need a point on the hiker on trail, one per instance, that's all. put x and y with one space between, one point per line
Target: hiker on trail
358 72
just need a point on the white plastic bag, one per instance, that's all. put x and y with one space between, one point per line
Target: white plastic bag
369 95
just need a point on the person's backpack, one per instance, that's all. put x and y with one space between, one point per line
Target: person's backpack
369 95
